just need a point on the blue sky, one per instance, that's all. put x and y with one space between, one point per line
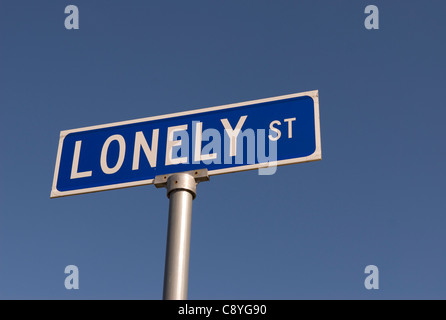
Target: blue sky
306 232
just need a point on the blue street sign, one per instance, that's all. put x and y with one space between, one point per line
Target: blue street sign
260 134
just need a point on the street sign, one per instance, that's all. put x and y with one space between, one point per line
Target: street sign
259 134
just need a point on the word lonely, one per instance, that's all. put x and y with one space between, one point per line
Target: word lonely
178 139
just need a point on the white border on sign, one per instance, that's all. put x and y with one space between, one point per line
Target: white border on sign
317 155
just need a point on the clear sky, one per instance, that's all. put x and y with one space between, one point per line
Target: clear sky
377 197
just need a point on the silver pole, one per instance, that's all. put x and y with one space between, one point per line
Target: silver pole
181 191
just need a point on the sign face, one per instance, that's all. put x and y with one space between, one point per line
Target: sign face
260 134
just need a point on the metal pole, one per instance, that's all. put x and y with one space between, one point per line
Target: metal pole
181 191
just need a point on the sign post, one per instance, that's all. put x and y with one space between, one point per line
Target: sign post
181 191
177 151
